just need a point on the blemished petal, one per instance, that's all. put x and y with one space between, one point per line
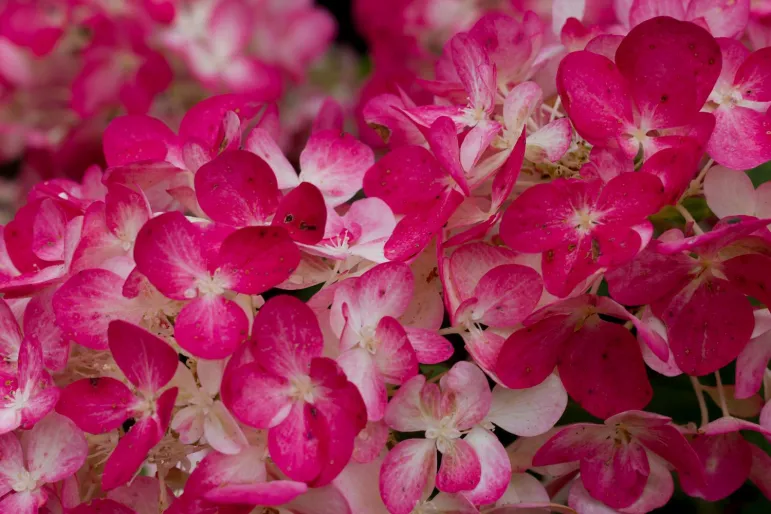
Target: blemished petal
295 447
708 324
335 162
255 259
595 96
222 431
603 370
360 368
385 290
753 75
338 416
740 139
530 354
729 192
136 138
430 347
727 460
264 410
460 469
54 449
395 358
211 327
617 476
132 449
507 295
86 303
406 471
671 67
619 206
169 252
407 179
145 359
303 214
529 412
494 464
416 230
287 336
472 396
405 412
237 187
96 405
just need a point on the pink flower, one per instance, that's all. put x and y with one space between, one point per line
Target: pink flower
581 227
740 101
655 89
188 262
99 405
53 450
475 465
614 456
599 362
688 280
375 348
282 383
26 397
119 68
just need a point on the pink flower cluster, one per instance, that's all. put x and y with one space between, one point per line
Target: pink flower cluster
69 66
561 215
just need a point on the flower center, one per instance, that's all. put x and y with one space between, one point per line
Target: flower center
368 340
24 482
585 220
444 433
302 388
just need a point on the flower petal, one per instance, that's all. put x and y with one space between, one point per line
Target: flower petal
147 360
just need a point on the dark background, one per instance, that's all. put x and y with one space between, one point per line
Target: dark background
341 9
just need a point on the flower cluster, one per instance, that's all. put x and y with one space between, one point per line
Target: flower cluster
69 66
472 318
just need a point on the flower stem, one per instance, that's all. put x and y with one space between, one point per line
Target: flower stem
689 219
702 402
721 394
